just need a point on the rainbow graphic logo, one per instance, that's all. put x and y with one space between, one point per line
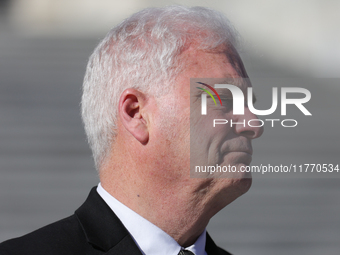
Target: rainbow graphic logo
204 97
218 96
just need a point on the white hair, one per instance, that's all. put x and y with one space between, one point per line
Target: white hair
142 52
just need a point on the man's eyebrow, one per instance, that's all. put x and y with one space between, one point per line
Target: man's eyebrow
225 93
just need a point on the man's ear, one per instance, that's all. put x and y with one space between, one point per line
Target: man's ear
130 107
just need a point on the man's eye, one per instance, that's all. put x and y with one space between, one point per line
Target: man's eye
227 102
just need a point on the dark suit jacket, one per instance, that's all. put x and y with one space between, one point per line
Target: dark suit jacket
93 229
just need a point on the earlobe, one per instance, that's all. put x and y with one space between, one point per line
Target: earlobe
130 110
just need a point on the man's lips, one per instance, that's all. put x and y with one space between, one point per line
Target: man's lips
242 157
237 156
248 151
236 145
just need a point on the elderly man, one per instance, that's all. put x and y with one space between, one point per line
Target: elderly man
136 111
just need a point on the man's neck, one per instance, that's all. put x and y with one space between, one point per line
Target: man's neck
174 209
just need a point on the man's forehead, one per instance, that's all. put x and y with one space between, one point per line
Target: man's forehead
213 67
223 62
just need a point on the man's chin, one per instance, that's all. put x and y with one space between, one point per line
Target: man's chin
243 184
240 180
232 188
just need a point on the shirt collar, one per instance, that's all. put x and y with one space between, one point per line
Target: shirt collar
150 239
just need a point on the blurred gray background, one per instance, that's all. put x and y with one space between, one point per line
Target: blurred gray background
46 170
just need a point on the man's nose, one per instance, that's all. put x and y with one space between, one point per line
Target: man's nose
248 124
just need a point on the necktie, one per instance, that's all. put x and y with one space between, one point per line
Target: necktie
185 252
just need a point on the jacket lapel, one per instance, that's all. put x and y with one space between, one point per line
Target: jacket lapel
103 229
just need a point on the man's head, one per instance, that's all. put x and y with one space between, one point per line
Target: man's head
144 52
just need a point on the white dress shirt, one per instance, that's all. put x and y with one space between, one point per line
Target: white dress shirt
150 239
